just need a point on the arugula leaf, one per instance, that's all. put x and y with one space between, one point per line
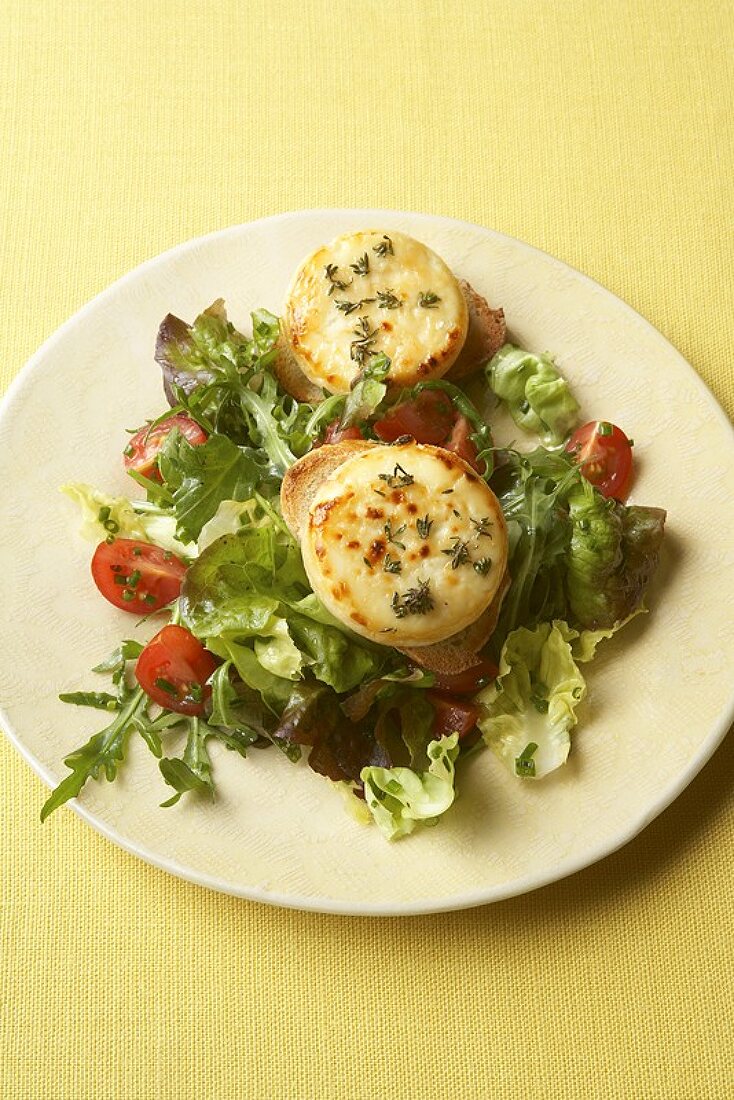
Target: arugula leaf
214 372
104 752
128 650
532 490
194 771
202 477
101 700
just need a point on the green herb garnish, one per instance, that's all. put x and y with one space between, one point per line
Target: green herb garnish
483 566
524 763
398 479
362 266
336 284
483 526
384 248
415 601
387 300
363 346
428 299
391 565
391 535
459 553
424 526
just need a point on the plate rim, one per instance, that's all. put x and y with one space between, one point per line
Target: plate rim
318 904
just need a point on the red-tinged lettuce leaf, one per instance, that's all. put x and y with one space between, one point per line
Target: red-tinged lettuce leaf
395 732
614 552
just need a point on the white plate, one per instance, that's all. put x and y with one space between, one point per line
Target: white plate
660 697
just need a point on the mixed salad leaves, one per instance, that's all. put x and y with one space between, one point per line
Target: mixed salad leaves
251 658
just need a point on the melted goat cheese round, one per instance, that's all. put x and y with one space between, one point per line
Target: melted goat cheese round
369 293
405 544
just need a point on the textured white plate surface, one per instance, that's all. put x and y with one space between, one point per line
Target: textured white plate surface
660 694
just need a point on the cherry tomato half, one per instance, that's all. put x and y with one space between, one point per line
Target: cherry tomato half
604 454
460 443
141 453
136 576
452 715
335 434
173 670
428 418
468 682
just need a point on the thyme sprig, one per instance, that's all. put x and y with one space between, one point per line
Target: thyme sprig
330 273
361 348
348 307
428 299
483 526
398 479
414 601
391 564
423 526
384 248
392 536
387 299
459 553
362 265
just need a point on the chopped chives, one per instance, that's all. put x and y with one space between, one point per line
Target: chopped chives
167 686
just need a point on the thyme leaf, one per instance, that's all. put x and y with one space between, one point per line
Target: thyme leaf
428 299
398 479
414 601
362 266
386 299
330 273
384 248
459 553
391 565
424 526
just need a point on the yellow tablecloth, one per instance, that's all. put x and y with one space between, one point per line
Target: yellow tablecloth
601 132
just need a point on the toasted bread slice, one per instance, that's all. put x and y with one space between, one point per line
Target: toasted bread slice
303 479
291 377
462 650
487 332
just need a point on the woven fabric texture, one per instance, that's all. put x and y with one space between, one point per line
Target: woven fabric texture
600 132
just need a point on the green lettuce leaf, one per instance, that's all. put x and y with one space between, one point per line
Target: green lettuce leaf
200 478
367 395
537 397
584 643
532 490
103 515
528 712
613 552
226 379
248 597
399 798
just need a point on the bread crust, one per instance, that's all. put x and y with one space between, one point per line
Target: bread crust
461 651
486 334
303 479
291 377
